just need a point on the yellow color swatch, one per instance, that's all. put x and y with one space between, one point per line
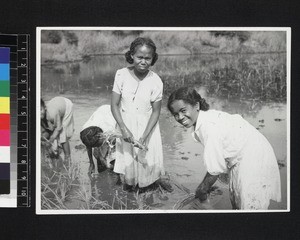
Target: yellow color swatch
4 104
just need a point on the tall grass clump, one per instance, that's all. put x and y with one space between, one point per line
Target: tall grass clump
245 77
57 183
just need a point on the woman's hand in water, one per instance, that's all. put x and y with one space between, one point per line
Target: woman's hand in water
201 194
127 135
203 188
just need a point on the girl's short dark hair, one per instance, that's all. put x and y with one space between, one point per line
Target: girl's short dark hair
141 42
43 103
44 120
188 95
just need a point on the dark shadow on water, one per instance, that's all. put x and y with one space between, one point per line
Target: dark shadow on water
106 186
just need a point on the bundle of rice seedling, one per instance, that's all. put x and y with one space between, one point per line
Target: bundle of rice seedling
190 202
109 137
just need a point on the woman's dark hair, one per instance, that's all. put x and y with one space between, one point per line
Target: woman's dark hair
44 120
43 103
141 42
188 95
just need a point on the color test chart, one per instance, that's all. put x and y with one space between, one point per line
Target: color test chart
4 121
14 119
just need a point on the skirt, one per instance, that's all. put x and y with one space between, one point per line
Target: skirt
255 179
139 167
67 123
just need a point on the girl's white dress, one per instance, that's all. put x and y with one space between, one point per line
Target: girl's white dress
233 145
138 167
103 119
64 108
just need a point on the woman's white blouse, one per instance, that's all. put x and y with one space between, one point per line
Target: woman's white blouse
137 95
223 136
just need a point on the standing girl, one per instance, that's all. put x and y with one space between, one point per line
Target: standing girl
57 116
136 104
231 145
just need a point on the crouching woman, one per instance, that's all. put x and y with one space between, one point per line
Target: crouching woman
231 145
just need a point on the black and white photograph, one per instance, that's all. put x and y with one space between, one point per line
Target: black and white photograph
162 120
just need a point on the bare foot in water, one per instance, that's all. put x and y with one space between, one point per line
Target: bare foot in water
165 184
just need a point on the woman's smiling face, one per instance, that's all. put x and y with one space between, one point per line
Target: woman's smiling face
185 113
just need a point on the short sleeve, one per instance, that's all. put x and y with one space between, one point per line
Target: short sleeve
118 83
213 153
156 94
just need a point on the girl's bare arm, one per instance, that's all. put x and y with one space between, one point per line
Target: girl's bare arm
115 101
57 129
156 107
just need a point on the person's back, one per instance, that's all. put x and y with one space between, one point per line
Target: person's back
56 105
59 113
102 118
232 129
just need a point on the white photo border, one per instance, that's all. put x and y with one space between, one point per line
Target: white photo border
39 211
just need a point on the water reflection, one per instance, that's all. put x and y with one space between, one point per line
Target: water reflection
256 76
251 85
105 188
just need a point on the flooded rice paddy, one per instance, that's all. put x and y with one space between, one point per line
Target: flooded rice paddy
251 85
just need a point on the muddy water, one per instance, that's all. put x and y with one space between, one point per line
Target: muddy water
182 156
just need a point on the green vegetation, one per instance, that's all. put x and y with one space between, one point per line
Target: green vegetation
68 46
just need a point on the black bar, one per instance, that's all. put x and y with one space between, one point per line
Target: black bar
22 75
22 139
4 171
22 156
22 107
22 59
22 91
22 172
13 80
23 176
22 42
22 192
8 39
4 186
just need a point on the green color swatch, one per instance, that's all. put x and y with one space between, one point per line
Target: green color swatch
4 89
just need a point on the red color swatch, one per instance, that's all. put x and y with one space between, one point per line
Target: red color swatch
4 121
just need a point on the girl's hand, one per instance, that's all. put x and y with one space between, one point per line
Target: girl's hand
51 139
45 142
141 144
143 140
127 135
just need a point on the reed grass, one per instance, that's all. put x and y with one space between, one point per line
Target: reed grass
64 185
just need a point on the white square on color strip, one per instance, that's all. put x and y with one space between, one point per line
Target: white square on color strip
4 154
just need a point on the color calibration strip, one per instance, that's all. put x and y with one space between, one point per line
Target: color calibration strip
4 121
23 142
17 118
